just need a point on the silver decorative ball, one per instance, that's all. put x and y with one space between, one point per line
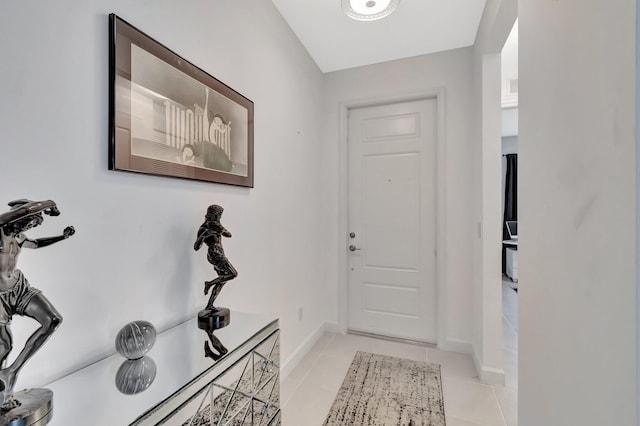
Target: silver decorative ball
135 339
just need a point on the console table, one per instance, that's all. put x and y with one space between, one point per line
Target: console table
177 383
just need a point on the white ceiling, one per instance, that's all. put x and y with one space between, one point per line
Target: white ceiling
417 27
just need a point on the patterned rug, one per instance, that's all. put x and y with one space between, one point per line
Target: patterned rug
382 390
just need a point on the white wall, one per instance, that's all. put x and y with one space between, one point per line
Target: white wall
637 209
510 121
509 52
577 216
509 145
452 71
132 257
509 68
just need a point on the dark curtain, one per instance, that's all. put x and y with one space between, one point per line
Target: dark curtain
510 200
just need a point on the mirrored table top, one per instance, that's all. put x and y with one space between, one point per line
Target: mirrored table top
91 395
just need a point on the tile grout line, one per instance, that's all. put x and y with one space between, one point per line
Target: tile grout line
507 319
504 419
326 350
510 325
308 371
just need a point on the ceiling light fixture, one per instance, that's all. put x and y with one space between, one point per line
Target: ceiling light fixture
369 10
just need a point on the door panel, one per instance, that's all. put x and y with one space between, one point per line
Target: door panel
392 212
388 183
377 296
389 127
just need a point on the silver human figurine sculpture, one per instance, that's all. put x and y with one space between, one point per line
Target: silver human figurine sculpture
17 296
211 233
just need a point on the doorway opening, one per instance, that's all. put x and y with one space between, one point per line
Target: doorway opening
509 281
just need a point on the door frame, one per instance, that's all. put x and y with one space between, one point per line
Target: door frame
343 203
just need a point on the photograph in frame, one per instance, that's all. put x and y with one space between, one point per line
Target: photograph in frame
169 117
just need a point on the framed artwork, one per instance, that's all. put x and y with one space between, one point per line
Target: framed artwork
168 117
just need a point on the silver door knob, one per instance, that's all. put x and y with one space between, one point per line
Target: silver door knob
353 248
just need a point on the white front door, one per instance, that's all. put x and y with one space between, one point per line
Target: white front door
392 220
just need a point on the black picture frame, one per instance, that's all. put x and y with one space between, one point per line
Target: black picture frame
168 117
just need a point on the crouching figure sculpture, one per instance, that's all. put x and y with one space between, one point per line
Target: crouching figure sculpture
18 297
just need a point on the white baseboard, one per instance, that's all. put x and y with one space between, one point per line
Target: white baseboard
488 375
454 345
331 327
301 351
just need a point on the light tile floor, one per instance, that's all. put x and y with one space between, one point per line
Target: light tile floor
309 390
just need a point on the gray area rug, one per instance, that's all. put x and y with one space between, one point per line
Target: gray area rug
381 390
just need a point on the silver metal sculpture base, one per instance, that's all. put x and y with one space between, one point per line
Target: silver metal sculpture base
36 409
213 320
